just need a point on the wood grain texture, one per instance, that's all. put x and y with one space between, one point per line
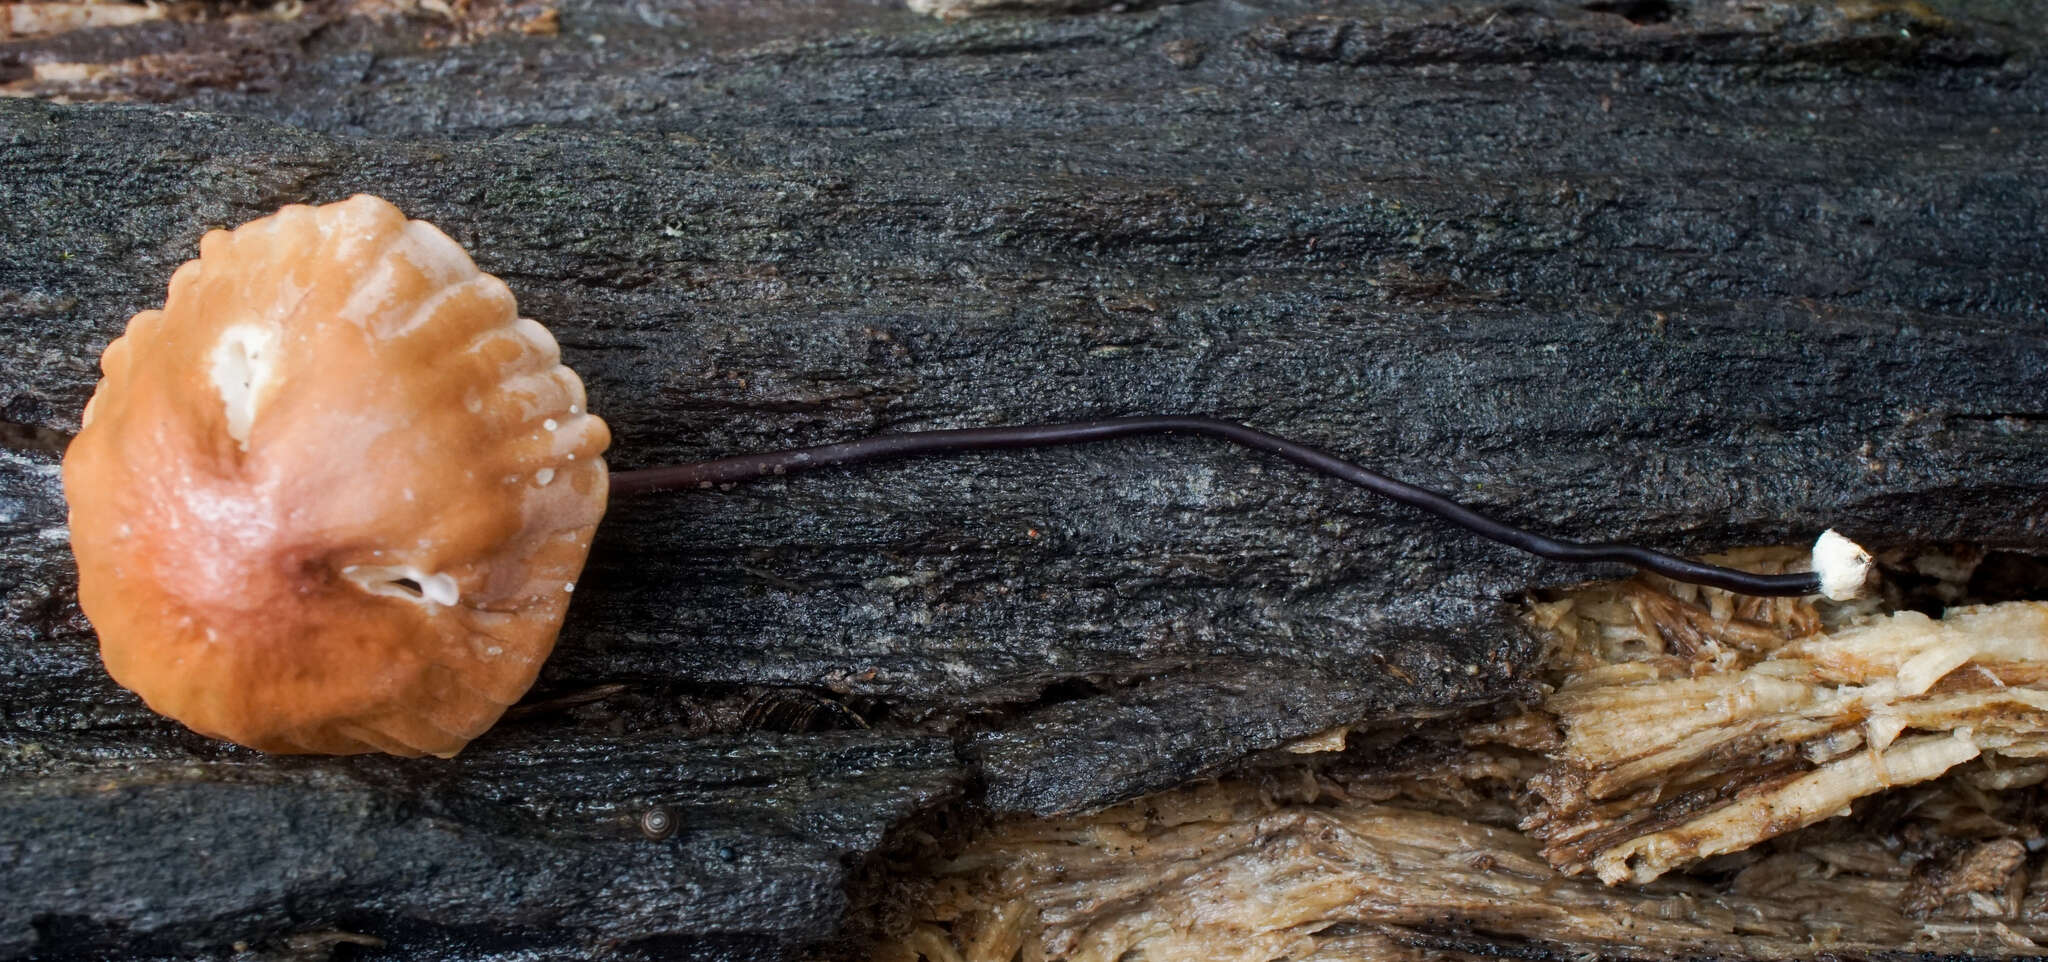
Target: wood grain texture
1722 278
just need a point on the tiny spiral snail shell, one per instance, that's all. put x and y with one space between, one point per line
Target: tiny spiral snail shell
658 823
329 498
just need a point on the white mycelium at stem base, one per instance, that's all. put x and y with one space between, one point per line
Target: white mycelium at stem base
1842 564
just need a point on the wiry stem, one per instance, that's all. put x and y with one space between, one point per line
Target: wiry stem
749 467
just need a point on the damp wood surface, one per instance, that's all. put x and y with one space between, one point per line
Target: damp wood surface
1693 274
1707 777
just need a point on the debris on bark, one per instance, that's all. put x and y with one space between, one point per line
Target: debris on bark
1711 776
1693 274
1684 740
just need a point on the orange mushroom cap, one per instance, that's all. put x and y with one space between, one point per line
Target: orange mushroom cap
334 497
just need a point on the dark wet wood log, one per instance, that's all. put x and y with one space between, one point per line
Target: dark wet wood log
1727 274
541 841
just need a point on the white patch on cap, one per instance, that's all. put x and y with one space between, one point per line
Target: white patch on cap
391 581
543 476
243 361
1843 566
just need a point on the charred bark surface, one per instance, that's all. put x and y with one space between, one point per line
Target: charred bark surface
1720 274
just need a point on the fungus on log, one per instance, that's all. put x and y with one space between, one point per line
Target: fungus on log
329 499
1724 277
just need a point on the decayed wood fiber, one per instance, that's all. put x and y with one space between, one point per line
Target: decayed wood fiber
1727 277
1709 775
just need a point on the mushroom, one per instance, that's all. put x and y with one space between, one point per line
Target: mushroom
334 496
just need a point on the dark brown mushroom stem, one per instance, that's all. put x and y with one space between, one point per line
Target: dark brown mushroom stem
750 467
